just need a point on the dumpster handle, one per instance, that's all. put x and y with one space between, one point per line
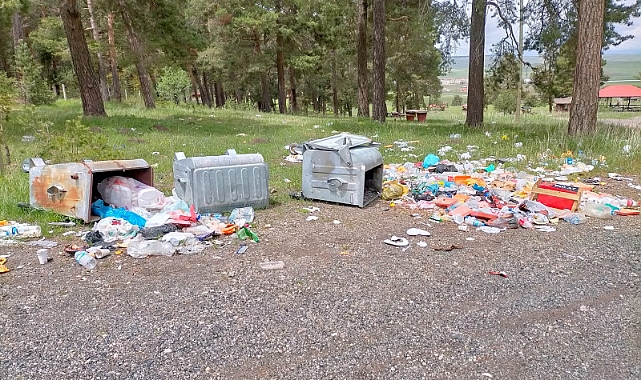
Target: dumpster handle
335 183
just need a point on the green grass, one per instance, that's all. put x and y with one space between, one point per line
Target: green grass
130 133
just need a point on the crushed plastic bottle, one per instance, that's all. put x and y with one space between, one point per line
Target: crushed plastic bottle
85 259
575 218
472 221
598 211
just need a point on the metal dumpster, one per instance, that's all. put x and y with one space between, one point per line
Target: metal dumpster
344 168
70 189
215 184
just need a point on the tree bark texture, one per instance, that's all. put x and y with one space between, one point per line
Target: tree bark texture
266 99
294 96
16 29
92 104
335 105
379 108
207 89
280 63
141 64
113 61
476 91
102 71
587 72
220 94
361 48
196 87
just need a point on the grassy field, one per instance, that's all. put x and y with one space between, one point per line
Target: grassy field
131 132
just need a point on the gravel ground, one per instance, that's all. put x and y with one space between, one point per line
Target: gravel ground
346 306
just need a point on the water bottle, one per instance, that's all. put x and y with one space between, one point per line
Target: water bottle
472 221
30 231
85 259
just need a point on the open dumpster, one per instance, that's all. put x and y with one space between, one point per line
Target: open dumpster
344 168
70 189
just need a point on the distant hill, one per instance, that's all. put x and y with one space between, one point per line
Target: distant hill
619 67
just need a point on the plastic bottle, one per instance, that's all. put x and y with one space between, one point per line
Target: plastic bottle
144 248
85 259
30 231
597 211
472 221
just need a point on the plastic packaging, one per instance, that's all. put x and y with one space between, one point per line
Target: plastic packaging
43 256
575 218
597 211
158 231
98 253
99 208
143 248
129 193
85 259
246 213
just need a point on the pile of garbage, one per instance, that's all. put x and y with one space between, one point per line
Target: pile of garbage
142 220
493 198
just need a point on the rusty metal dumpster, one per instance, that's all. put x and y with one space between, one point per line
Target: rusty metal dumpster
344 168
215 184
70 189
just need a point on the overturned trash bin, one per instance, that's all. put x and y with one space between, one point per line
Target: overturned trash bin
70 189
221 183
344 168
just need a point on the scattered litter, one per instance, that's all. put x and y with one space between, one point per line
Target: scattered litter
311 209
68 233
242 249
28 138
490 230
469 239
462 227
609 228
417 232
3 267
43 256
545 228
487 375
62 224
311 217
397 241
422 244
287 180
272 265
43 244
498 273
336 222
448 247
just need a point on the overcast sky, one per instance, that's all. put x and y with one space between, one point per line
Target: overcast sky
494 34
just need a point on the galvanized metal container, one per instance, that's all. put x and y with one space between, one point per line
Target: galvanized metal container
70 189
221 183
344 168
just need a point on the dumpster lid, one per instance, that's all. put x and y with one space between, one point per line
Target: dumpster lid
338 142
115 165
341 143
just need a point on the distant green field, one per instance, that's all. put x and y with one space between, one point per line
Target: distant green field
619 67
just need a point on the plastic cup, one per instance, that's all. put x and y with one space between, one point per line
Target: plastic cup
43 256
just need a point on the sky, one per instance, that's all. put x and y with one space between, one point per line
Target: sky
494 34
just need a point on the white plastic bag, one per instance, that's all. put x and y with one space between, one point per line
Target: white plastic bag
130 193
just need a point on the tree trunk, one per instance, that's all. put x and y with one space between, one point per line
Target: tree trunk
334 80
266 99
16 29
280 64
206 89
102 71
379 108
363 101
92 104
396 98
294 96
115 78
476 91
136 48
587 72
193 74
220 95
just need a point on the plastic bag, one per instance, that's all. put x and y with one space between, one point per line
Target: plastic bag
113 229
130 193
245 233
393 190
99 208
246 213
